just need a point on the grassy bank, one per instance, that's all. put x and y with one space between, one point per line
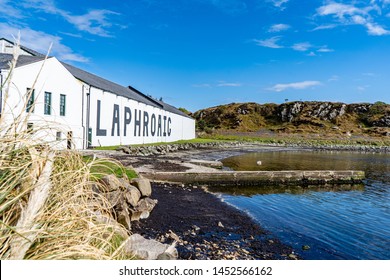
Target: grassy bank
292 139
196 140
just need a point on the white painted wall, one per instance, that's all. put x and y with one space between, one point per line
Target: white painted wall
139 130
53 78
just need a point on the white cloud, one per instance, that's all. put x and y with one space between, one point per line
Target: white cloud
302 47
297 85
280 3
362 88
269 43
95 21
279 27
325 27
8 11
218 84
339 10
40 42
376 30
226 84
325 49
205 85
347 14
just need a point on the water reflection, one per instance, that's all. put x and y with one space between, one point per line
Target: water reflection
376 164
337 222
250 191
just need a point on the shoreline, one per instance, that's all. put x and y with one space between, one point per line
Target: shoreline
205 227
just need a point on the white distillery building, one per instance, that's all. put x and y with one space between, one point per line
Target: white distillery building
76 109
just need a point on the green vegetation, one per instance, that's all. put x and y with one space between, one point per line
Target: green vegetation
196 140
185 111
102 167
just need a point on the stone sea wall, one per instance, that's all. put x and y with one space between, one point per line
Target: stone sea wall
169 148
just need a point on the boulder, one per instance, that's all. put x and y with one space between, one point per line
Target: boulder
111 182
114 197
146 204
143 186
132 195
135 215
149 249
124 182
124 218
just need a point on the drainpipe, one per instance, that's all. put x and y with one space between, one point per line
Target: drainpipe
82 115
88 115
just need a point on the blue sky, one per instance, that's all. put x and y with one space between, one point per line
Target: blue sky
201 53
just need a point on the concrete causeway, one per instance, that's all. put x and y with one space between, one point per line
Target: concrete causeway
250 178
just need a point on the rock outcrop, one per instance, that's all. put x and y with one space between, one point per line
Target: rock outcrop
297 117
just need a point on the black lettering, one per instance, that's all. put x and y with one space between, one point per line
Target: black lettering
137 123
159 126
99 131
169 126
146 124
127 120
115 120
153 125
165 126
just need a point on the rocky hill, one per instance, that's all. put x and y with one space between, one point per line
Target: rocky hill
297 117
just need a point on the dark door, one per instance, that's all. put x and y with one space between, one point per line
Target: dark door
69 140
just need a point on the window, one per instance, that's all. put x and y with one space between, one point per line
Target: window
30 127
58 135
62 104
47 103
30 101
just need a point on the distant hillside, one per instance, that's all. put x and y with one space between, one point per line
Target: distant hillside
297 117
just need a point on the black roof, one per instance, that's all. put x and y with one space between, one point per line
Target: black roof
92 80
6 58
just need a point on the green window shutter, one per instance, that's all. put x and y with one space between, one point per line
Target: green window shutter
31 99
47 103
62 104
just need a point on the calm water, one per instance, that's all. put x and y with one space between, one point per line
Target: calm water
336 223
